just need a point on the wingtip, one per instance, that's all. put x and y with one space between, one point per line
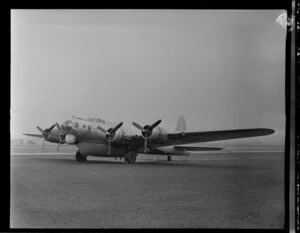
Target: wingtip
268 131
272 131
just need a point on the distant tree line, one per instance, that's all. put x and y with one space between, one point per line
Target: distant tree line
21 142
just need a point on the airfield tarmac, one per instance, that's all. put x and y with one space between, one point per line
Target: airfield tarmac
204 190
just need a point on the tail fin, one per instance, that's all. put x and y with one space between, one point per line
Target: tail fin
181 125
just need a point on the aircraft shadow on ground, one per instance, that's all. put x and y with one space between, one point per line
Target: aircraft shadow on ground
199 164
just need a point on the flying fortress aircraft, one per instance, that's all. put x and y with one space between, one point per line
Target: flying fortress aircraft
97 137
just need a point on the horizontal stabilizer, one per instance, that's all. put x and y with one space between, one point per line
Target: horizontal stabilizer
194 148
33 135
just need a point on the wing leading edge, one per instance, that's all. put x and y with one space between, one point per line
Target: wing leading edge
196 148
33 135
208 136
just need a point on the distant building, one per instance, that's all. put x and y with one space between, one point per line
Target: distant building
21 142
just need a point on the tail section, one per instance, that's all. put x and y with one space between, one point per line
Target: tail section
181 125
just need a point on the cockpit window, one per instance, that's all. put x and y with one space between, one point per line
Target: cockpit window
67 122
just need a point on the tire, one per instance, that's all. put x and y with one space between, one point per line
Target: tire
79 157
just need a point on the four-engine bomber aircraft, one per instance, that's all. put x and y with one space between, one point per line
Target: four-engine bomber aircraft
96 137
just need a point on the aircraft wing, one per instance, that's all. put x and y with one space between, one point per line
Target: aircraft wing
194 148
208 136
33 135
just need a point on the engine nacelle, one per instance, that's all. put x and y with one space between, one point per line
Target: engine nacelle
157 134
53 138
118 135
70 139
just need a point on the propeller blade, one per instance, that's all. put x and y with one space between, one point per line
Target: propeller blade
50 129
108 147
117 127
145 144
40 129
57 125
43 145
58 146
137 126
154 125
101 129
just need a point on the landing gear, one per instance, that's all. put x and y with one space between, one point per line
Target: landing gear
130 157
80 157
169 158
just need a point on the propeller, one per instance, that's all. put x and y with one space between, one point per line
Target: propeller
110 133
61 134
146 131
45 134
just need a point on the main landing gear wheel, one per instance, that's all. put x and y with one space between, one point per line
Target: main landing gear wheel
80 157
130 157
169 158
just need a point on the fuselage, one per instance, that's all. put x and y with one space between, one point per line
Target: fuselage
91 141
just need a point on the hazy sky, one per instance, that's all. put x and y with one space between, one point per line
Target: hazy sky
222 69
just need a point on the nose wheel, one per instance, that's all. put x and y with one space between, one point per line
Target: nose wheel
80 157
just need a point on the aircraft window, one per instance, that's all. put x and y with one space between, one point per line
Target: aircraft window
75 124
89 127
83 126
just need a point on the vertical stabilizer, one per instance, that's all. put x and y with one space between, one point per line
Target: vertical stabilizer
181 125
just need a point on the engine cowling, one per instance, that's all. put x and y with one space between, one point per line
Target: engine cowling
157 133
70 139
53 138
117 135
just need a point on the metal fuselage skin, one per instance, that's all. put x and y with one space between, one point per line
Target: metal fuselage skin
90 141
